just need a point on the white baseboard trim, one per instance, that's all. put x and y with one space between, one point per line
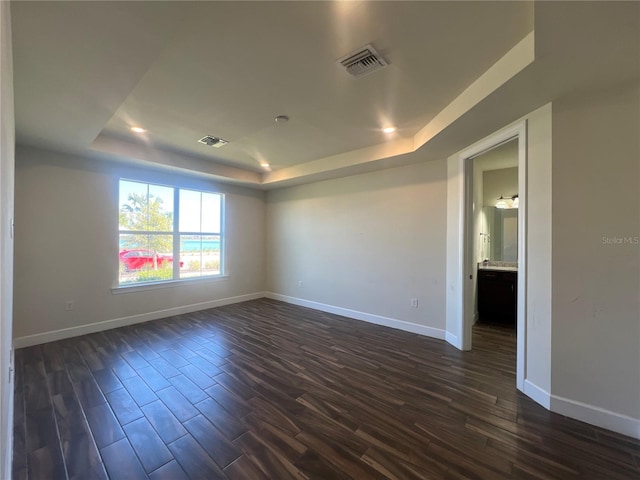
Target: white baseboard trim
584 412
357 315
52 336
596 416
537 394
453 340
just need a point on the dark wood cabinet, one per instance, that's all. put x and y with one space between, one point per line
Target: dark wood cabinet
497 296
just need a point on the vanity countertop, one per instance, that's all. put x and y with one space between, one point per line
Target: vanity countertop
498 268
498 265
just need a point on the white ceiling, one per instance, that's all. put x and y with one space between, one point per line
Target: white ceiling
85 72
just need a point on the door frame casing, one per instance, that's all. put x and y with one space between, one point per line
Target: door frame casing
466 270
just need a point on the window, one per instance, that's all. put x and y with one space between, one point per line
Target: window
159 223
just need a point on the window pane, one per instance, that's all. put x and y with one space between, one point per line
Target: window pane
210 255
160 209
133 195
190 211
199 255
145 258
145 207
211 212
190 255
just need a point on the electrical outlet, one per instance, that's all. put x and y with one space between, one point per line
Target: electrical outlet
300 284
414 302
68 305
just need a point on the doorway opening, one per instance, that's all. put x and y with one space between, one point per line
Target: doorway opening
495 234
505 240
495 254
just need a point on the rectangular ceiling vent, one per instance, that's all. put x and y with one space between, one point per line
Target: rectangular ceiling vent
212 141
363 61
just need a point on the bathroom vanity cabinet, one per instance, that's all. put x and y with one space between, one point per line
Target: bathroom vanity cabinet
497 295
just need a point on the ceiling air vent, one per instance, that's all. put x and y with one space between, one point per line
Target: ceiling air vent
212 141
363 61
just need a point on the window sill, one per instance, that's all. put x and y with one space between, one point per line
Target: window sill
168 284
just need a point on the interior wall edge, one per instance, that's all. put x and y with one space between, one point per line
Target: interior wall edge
453 340
537 394
7 175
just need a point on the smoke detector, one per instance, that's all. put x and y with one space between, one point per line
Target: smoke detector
362 62
212 141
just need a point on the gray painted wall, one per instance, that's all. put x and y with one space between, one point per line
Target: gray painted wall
367 243
499 182
67 244
596 284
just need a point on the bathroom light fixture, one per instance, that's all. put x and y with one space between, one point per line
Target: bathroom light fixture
502 202
508 202
389 129
138 129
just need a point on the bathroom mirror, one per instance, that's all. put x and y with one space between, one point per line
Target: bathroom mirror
501 244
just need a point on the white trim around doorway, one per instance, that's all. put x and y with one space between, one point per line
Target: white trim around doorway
466 270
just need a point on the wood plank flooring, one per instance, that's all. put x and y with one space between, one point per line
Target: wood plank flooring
266 390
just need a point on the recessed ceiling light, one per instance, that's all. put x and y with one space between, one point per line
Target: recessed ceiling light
281 119
264 164
138 129
389 129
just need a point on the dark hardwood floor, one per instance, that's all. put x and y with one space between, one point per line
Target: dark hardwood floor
266 390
